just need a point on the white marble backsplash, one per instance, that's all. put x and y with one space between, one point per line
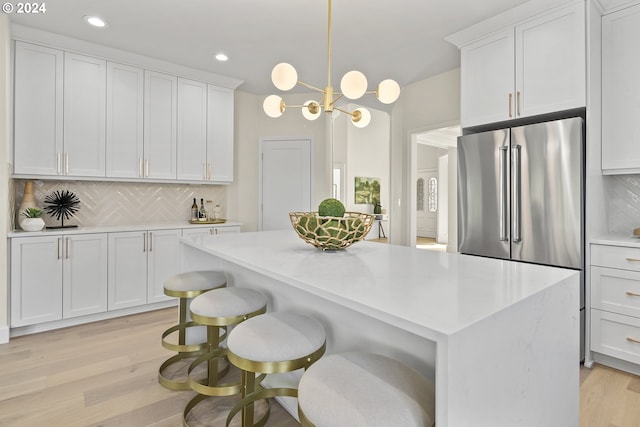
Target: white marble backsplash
623 206
125 203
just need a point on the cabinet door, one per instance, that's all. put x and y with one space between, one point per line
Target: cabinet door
127 269
192 130
487 80
160 108
551 62
84 274
125 103
220 135
85 80
36 280
621 91
164 262
38 106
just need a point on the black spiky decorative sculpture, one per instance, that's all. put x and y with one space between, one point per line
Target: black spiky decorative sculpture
62 205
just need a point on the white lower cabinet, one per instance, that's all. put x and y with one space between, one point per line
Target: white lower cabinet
615 302
84 275
139 264
163 261
127 285
57 277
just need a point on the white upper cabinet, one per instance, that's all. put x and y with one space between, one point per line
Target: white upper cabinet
84 115
487 80
81 117
38 109
551 63
160 113
621 92
535 67
192 130
125 124
220 134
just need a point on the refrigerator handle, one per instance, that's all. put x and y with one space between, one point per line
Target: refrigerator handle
516 194
503 193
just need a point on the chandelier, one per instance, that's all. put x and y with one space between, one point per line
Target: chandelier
353 86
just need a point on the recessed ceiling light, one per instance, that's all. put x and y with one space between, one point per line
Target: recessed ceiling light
222 57
95 21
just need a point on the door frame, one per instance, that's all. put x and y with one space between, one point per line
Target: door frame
411 176
261 142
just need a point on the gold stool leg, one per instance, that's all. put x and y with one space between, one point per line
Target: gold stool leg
182 318
249 387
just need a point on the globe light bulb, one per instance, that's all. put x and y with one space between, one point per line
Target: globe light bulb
284 76
311 110
388 91
361 117
353 84
273 106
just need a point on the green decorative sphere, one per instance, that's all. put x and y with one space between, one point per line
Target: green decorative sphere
331 207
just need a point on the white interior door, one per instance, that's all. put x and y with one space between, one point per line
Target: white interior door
285 181
426 212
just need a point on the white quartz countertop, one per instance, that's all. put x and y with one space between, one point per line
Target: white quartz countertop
432 294
617 240
117 228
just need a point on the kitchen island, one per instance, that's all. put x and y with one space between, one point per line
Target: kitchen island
499 338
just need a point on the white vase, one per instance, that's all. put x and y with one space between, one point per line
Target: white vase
32 224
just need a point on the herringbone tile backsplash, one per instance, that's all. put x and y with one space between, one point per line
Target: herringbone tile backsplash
124 203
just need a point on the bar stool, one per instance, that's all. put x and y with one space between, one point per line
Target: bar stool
218 309
185 286
362 389
271 343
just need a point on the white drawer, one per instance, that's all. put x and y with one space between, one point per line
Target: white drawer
615 335
615 290
616 257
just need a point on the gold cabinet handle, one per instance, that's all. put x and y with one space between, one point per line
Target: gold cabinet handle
632 294
633 340
632 259
66 164
144 242
146 168
58 162
518 104
150 241
510 99
140 167
59 244
66 249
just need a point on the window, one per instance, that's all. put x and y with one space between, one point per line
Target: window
433 195
420 194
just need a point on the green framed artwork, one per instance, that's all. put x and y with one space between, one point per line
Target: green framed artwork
367 191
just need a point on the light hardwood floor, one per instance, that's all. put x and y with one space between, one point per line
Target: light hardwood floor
105 374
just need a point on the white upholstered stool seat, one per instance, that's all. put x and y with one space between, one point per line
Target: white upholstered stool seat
193 283
267 344
218 309
363 389
185 286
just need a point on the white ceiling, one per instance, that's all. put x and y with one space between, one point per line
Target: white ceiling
402 39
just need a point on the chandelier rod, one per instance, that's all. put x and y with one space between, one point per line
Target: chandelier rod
329 46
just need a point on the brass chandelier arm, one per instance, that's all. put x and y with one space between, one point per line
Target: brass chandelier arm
343 111
311 87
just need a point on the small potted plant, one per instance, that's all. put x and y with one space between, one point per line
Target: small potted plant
33 219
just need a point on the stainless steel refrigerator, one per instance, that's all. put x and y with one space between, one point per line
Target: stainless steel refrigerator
521 194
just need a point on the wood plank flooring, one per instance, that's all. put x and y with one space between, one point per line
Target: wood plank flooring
105 374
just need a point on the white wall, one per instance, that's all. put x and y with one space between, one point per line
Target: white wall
251 123
428 104
5 167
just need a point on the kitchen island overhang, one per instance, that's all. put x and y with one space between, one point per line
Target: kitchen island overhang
500 338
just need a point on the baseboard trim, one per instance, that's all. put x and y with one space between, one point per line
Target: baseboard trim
4 334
